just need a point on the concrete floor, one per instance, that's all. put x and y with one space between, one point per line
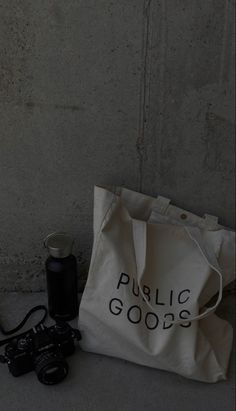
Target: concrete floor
101 383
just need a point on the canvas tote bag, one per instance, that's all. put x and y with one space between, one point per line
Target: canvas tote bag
154 267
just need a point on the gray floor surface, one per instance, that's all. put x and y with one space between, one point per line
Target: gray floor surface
99 383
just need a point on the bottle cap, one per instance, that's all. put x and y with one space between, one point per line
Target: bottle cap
59 245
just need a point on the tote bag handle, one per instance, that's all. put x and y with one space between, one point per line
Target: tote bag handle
139 229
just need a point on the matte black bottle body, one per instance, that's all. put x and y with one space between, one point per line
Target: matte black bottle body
62 287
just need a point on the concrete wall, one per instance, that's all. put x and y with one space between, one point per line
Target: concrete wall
136 93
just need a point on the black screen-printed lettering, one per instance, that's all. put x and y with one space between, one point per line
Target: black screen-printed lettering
124 279
134 314
182 301
135 288
114 308
157 297
181 316
167 324
151 321
146 292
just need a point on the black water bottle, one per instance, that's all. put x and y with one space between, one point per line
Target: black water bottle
61 272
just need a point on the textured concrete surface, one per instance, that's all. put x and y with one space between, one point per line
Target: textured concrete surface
136 93
98 383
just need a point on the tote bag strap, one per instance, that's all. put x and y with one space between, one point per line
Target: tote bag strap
139 229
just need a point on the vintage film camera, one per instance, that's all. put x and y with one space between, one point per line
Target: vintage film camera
42 349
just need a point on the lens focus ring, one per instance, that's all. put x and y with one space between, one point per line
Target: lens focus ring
51 367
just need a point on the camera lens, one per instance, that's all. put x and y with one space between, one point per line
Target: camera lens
51 367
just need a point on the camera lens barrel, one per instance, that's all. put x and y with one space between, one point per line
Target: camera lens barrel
51 368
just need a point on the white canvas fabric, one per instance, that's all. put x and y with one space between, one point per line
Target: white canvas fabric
154 267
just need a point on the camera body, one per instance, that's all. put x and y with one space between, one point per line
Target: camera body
42 349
